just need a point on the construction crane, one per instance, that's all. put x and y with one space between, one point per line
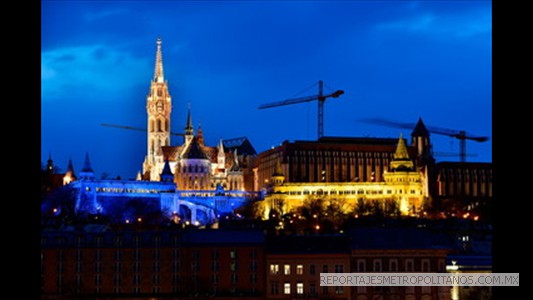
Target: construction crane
461 135
321 99
135 128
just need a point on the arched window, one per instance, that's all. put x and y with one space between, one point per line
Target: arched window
151 125
166 125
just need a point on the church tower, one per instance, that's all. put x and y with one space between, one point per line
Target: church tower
158 108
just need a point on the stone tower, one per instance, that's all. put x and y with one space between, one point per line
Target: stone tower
158 108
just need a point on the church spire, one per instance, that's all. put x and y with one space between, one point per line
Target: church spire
189 129
158 73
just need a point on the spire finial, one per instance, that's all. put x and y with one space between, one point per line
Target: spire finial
158 73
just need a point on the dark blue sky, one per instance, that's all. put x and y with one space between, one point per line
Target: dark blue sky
398 60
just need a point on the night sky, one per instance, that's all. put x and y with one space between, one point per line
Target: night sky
397 60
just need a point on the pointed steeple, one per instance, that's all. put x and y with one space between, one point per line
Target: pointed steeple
70 168
50 164
401 149
87 164
200 135
420 129
158 73
166 175
87 171
189 129
400 160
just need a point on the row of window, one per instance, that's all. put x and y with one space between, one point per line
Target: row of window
349 192
300 288
376 266
299 269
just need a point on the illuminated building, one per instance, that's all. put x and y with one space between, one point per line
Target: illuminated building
195 165
402 184
360 169
129 201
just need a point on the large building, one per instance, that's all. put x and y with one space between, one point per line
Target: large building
195 165
374 169
402 186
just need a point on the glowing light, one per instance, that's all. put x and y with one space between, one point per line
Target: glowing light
187 223
127 221
314 216
466 215
317 227
476 218
139 219
54 210
196 223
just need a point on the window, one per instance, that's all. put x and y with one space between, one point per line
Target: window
339 290
253 265
253 278
156 266
299 288
274 269
214 254
287 288
360 265
253 254
194 266
234 278
312 288
377 265
274 290
324 268
409 265
287 269
339 268
214 278
426 290
116 279
97 267
325 290
233 254
393 265
312 270
299 269
234 266
425 265
155 279
118 267
215 266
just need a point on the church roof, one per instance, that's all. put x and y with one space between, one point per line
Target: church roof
195 150
242 144
420 129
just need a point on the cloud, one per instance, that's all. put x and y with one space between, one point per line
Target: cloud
459 25
92 69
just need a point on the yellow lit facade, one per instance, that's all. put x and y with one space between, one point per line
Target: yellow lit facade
402 185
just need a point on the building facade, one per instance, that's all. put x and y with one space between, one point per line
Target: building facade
402 185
